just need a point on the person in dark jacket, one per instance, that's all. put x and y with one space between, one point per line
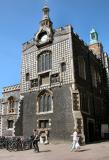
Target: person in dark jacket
36 139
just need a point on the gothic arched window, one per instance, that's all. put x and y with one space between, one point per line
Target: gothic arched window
44 102
82 67
94 77
44 61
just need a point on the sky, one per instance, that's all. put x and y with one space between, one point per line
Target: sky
19 21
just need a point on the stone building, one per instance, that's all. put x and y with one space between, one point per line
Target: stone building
9 110
63 84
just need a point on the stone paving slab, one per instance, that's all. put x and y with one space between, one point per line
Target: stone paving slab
98 151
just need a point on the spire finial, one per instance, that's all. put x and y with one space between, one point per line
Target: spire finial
45 10
46 3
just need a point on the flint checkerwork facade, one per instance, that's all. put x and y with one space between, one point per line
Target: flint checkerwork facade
64 85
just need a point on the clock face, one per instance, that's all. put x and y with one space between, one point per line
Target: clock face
44 38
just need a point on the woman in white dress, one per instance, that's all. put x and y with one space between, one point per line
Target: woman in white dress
75 144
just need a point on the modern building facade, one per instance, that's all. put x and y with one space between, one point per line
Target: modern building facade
63 84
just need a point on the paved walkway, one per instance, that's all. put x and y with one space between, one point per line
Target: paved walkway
98 151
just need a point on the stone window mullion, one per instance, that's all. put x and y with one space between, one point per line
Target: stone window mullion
44 62
49 103
43 103
42 68
50 61
46 98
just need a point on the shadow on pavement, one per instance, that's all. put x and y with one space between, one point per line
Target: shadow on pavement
83 150
46 151
100 141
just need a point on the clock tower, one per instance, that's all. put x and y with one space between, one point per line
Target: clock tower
45 33
96 46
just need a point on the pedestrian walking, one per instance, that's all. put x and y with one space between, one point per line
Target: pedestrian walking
75 144
36 139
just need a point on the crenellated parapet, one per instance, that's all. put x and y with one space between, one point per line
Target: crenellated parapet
11 88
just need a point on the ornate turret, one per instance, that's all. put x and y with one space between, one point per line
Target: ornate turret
93 36
45 12
95 45
45 33
46 19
